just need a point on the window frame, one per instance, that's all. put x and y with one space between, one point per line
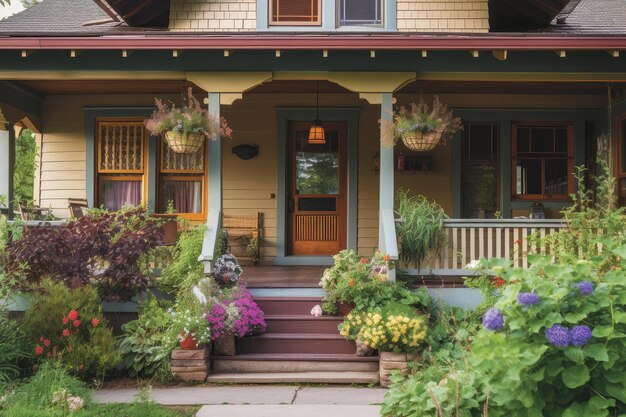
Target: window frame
120 175
182 175
360 25
619 145
271 22
542 156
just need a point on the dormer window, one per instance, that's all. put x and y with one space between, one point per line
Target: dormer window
295 12
360 12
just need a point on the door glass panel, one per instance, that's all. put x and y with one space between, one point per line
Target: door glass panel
528 176
560 140
317 166
317 204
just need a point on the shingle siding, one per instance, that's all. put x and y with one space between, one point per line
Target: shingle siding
213 15
443 16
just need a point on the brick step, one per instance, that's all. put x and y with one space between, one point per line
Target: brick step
295 377
274 363
299 323
287 305
295 343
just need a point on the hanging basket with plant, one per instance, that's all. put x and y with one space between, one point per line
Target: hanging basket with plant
420 128
186 128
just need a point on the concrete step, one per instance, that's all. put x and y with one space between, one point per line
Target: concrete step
273 363
287 305
299 323
295 343
295 377
290 410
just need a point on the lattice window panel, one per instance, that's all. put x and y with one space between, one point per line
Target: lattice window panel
121 146
174 163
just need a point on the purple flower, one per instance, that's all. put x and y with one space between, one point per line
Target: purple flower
580 335
558 335
493 320
527 298
584 287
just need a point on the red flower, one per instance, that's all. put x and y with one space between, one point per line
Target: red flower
66 332
363 260
351 283
95 322
387 258
38 350
46 342
498 281
41 339
76 323
73 315
65 319
81 366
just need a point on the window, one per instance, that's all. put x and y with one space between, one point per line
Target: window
181 182
621 159
120 162
542 161
295 12
360 12
480 171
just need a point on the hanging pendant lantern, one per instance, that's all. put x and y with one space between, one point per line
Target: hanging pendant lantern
317 136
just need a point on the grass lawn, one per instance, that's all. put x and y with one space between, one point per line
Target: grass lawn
104 410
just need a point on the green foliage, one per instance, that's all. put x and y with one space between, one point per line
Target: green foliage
145 346
13 350
185 270
87 348
421 229
24 174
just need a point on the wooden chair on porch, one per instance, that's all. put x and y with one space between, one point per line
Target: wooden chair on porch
28 213
78 207
247 229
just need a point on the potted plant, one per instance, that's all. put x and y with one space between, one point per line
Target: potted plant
421 229
186 128
227 270
420 128
169 224
191 329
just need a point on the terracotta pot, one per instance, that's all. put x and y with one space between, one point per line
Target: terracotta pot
189 343
186 144
345 308
169 227
224 346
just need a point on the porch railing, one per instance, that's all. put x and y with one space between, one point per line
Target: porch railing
210 240
471 239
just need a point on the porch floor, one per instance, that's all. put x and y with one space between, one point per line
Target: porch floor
283 276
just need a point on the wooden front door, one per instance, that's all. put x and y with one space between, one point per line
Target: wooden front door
316 200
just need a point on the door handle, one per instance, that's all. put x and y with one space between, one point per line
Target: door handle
291 205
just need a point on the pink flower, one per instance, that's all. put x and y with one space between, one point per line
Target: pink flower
76 323
95 322
73 315
46 342
66 332
38 350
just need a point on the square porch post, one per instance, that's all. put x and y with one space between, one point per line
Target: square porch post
386 224
7 166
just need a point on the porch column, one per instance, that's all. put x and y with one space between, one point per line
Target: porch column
7 165
215 159
386 223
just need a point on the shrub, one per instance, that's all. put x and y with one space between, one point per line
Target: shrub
102 248
13 350
145 346
185 270
68 325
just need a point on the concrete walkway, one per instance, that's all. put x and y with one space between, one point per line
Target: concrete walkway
262 401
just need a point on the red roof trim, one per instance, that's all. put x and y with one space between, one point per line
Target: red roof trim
302 42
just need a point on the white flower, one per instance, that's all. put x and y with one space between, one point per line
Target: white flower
316 311
75 403
199 295
475 264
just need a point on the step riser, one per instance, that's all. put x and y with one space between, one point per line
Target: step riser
307 377
228 366
287 306
257 345
300 326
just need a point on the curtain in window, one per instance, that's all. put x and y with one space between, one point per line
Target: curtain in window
117 193
186 196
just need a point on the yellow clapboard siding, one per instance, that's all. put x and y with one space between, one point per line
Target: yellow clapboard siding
63 185
63 157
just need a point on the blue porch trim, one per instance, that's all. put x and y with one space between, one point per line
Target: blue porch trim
91 114
505 119
283 116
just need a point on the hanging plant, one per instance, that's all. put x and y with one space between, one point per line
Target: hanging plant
186 128
420 128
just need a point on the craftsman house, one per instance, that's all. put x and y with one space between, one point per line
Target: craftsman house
535 83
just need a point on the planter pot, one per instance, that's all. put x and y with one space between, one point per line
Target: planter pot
394 362
362 349
422 141
186 144
345 308
224 346
189 343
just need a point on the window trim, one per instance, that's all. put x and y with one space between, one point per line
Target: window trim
570 154
270 15
618 145
382 17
